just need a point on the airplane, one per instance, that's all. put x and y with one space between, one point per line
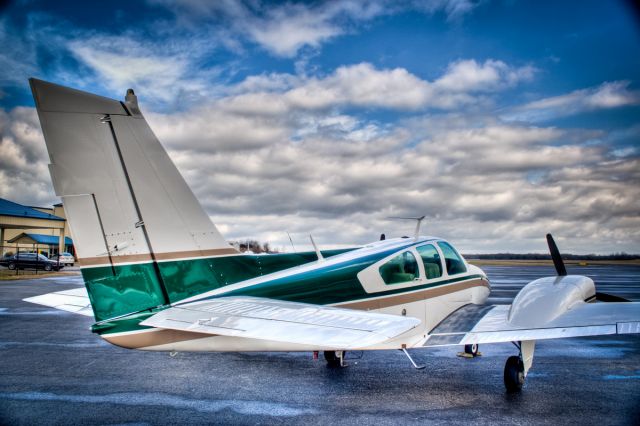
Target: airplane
159 276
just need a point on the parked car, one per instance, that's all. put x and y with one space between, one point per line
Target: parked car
66 259
30 261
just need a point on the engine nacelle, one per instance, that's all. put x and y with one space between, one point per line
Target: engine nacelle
546 298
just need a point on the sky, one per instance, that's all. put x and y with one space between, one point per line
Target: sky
500 121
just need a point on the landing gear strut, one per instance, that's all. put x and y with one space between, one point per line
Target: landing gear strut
335 358
517 367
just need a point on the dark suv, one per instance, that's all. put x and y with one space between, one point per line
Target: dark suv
30 261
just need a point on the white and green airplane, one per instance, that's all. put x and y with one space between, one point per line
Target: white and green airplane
159 276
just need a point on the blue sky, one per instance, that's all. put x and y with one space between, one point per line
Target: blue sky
500 120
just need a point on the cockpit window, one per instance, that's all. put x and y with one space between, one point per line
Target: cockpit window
455 264
431 260
400 269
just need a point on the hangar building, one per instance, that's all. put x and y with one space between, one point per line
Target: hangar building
40 229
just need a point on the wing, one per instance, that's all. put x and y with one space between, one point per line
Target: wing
74 300
282 321
492 324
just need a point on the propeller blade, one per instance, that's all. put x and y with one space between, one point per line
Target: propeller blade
555 256
606 297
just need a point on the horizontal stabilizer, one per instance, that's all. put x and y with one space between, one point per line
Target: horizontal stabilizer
74 300
490 324
289 322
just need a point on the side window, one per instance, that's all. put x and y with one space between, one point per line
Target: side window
431 260
400 269
452 259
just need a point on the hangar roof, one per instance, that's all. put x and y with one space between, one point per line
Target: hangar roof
42 239
9 208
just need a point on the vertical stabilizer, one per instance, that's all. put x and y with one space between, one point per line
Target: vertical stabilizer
125 201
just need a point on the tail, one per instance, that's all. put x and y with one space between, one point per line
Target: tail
134 220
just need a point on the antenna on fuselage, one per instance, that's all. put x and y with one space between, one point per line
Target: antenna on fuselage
292 246
315 247
419 222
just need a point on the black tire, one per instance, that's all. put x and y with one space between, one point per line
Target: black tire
11 266
332 358
48 267
471 349
513 374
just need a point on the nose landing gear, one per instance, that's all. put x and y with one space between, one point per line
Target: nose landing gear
470 351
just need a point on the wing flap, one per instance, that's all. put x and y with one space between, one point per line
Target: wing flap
490 324
73 300
282 321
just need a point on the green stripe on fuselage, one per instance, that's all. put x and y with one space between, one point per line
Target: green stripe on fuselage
330 284
127 289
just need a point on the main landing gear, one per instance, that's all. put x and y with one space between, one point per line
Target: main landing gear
517 367
335 359
514 374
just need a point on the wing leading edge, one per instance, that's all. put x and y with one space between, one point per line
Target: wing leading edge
283 321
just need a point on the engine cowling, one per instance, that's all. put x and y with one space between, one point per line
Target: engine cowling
545 299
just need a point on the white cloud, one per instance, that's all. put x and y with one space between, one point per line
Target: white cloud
285 29
268 109
24 176
363 85
605 96
471 182
469 75
120 62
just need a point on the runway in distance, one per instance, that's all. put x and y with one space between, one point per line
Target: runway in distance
159 276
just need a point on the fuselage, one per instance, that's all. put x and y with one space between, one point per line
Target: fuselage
421 277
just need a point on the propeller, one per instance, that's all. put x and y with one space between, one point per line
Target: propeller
555 256
562 271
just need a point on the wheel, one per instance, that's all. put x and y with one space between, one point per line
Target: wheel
332 358
513 374
11 266
47 268
471 349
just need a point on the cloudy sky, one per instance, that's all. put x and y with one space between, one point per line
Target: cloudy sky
498 120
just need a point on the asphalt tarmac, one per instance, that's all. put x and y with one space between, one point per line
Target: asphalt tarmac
54 371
